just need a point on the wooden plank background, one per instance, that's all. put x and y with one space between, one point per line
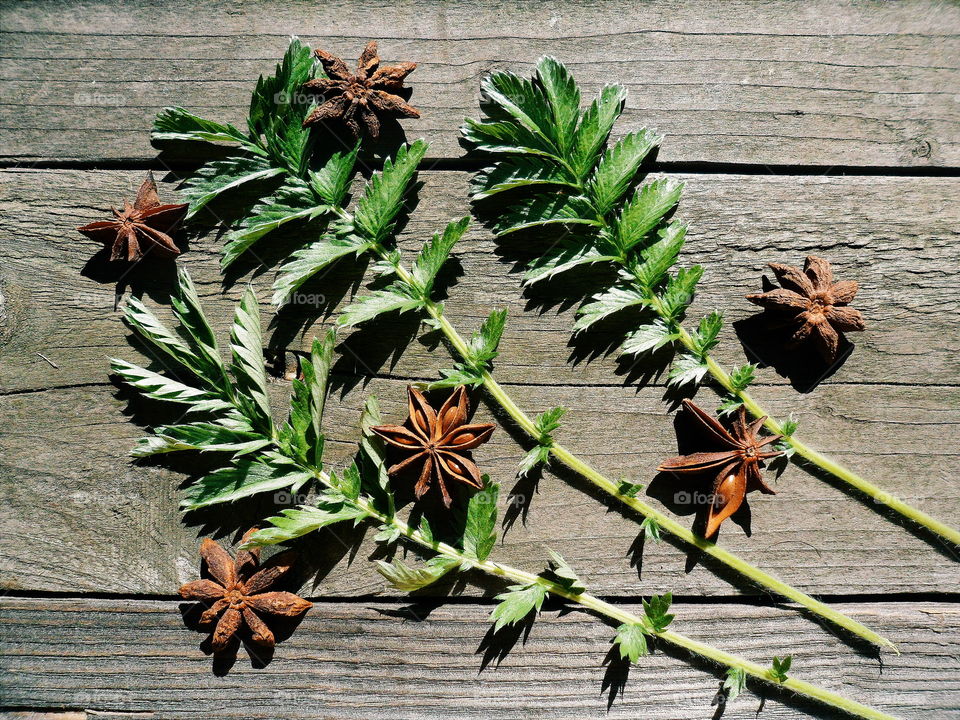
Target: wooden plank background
797 128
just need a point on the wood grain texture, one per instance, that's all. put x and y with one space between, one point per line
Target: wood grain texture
79 515
136 656
896 236
862 83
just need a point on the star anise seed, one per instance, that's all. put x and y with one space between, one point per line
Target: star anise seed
438 440
237 593
359 100
737 463
813 305
141 228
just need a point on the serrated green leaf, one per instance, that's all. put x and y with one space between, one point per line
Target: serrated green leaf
242 479
221 176
434 254
480 526
643 212
686 369
563 574
561 259
595 128
778 672
148 327
538 455
366 307
297 522
308 261
548 421
706 336
383 195
162 387
648 338
407 579
606 303
520 101
629 489
656 613
679 292
332 181
660 256
632 641
617 169
735 682
203 436
175 123
484 343
651 528
460 374
545 210
266 218
742 376
518 172
375 481
563 96
506 137
249 368
518 602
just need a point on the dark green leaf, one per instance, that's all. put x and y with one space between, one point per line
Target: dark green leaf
648 338
618 168
546 210
705 337
175 123
595 128
780 668
243 479
249 371
435 253
645 211
679 292
308 261
661 256
201 436
332 181
163 388
480 527
518 172
651 527
561 259
563 96
656 613
383 196
742 376
221 176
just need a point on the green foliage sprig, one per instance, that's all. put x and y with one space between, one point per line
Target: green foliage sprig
561 171
290 454
608 174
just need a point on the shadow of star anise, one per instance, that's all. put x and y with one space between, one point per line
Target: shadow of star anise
735 456
438 439
359 100
238 593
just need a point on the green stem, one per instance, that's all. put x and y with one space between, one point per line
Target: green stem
822 461
503 399
617 614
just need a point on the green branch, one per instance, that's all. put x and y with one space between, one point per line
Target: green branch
609 220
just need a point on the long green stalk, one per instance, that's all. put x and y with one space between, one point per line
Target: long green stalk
617 614
500 396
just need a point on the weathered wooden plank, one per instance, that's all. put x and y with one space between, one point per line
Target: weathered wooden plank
897 236
384 661
745 82
79 516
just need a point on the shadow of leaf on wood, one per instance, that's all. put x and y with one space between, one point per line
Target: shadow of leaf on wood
615 675
154 277
497 644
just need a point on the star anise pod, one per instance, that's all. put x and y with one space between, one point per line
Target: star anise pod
237 593
360 99
737 463
438 440
140 228
813 305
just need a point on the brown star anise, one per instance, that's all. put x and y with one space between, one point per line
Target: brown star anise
359 100
145 223
237 593
438 439
737 463
813 304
